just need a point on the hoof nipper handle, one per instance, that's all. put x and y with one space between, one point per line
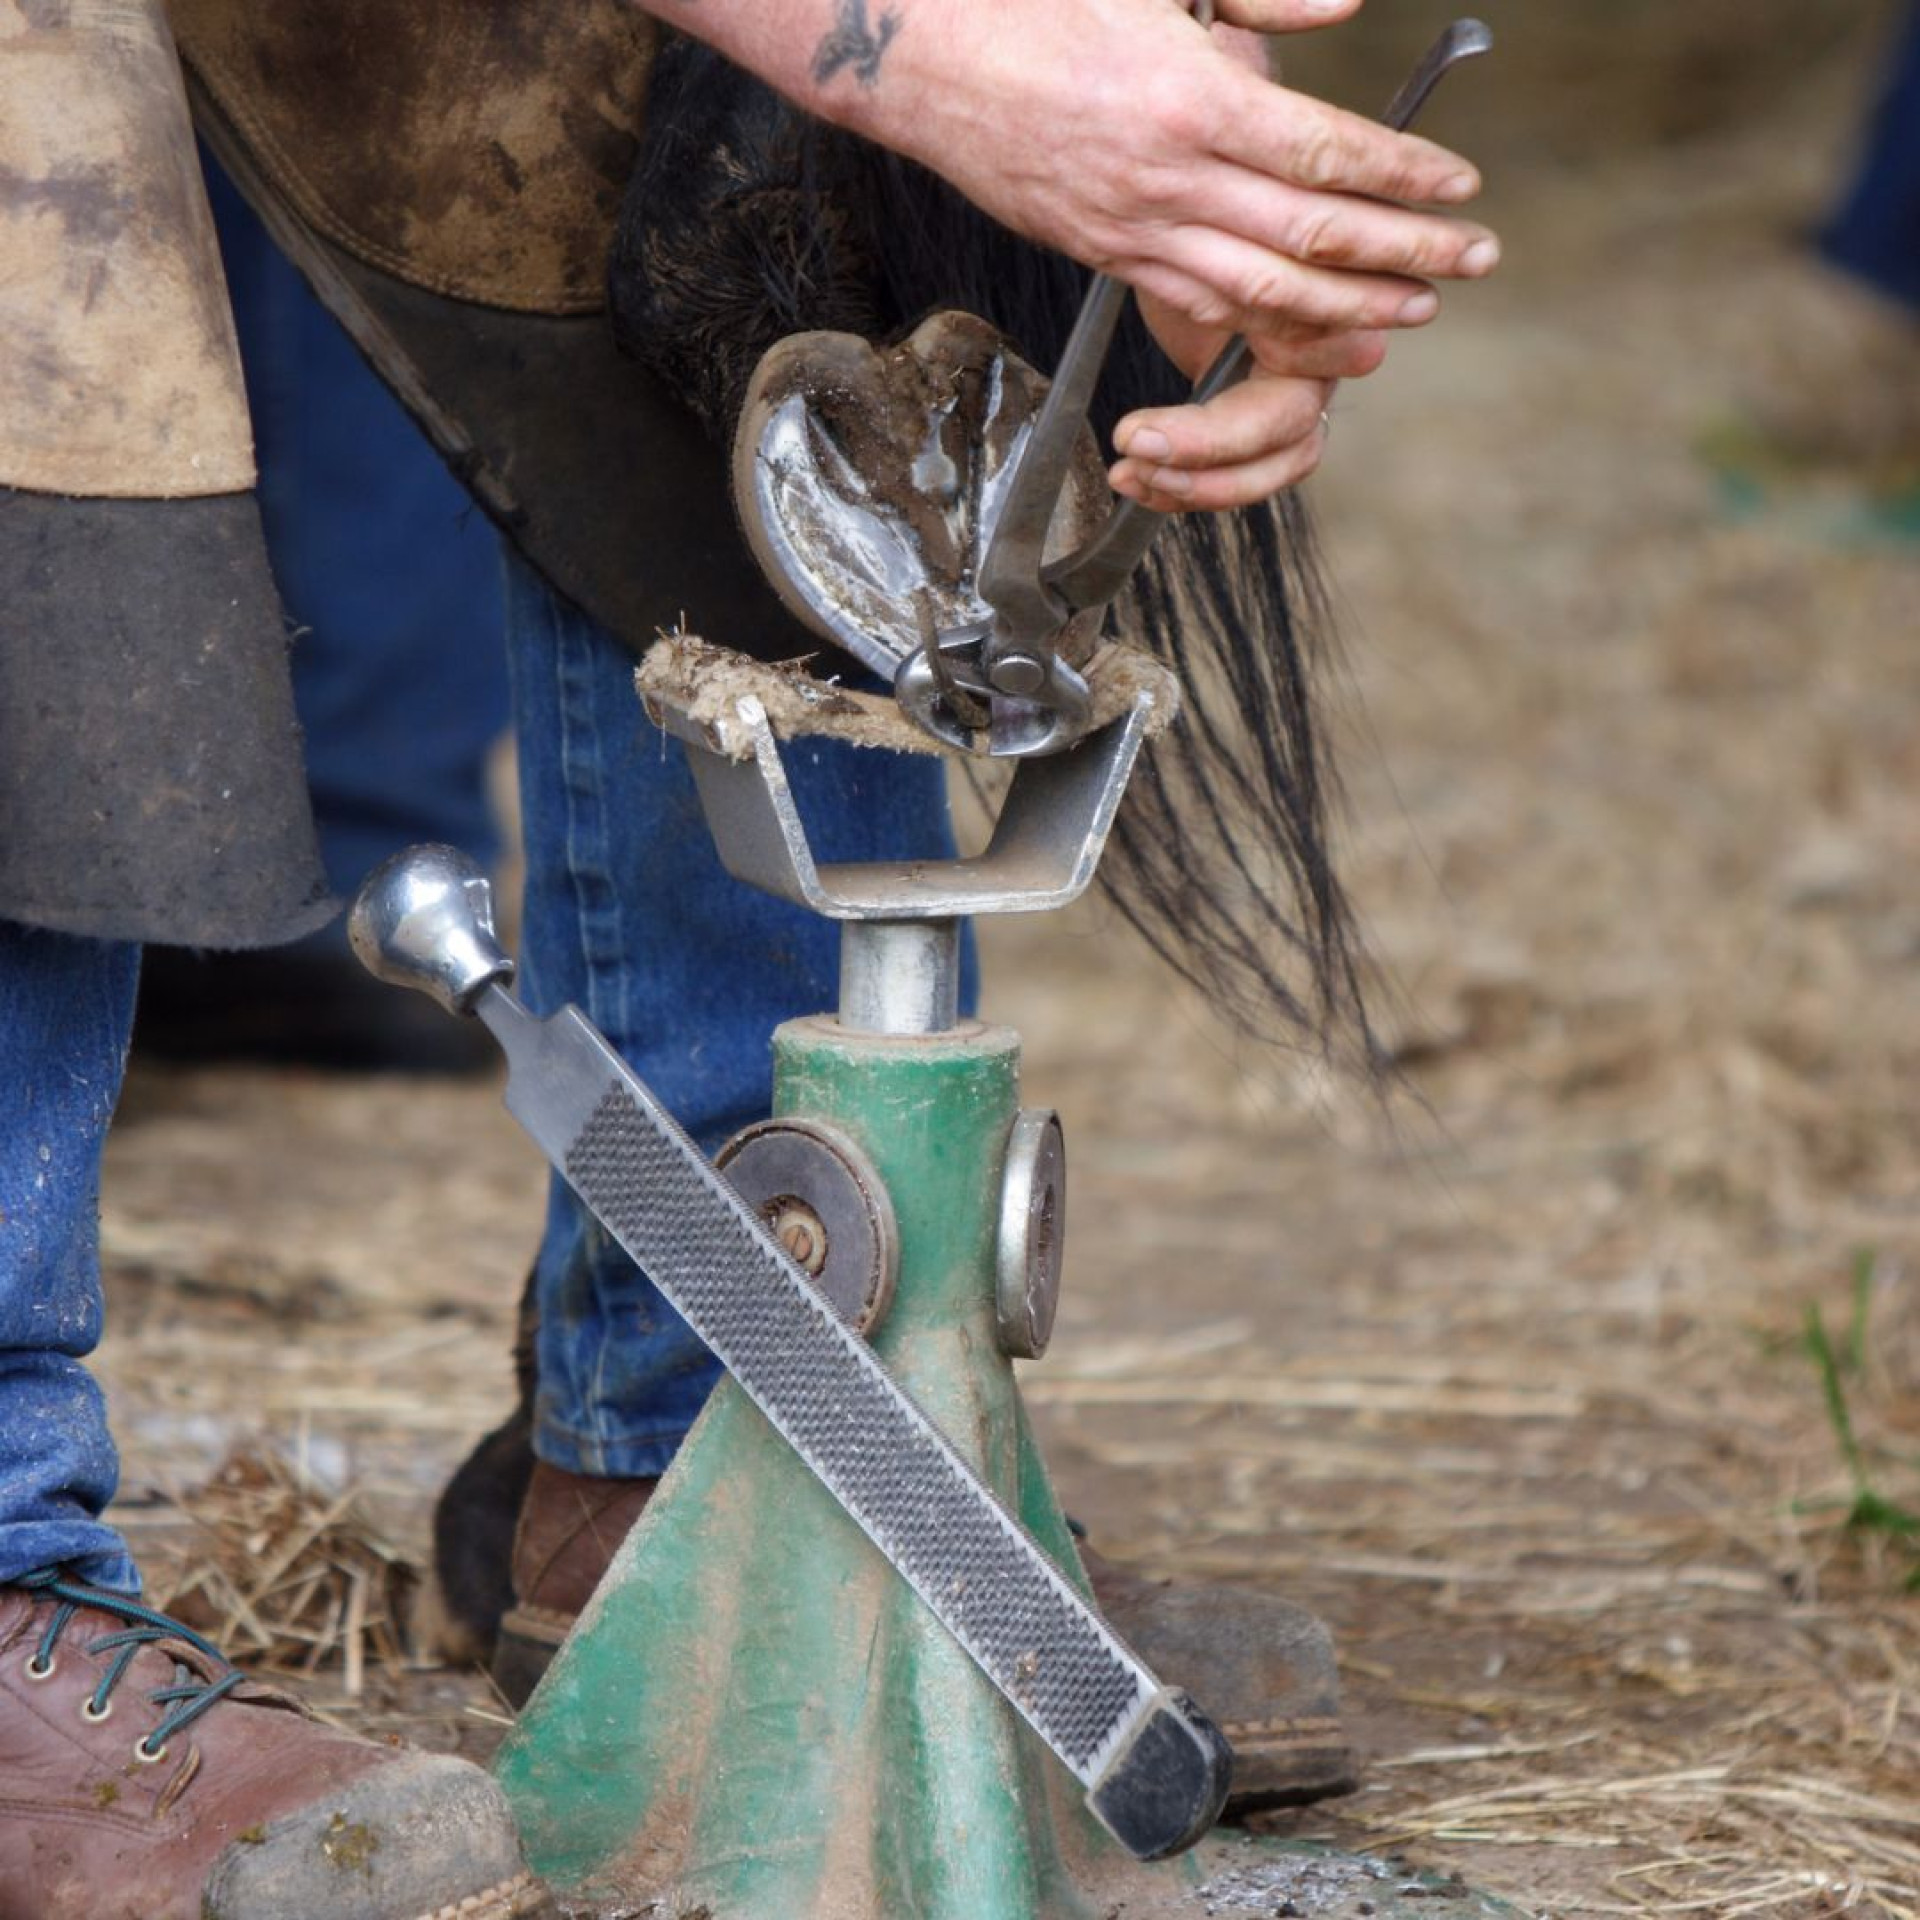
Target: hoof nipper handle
424 919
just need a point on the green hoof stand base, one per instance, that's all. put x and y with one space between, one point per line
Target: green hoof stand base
755 1718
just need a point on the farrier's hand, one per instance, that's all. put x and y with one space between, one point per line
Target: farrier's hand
1267 433
1261 436
1122 133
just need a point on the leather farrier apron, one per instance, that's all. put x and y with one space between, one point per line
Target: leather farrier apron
447 174
150 783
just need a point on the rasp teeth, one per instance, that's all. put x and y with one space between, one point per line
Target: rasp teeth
961 1551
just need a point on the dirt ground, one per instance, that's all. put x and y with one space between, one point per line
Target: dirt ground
1513 1384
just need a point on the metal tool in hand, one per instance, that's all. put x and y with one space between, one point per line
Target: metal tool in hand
1155 1767
1010 664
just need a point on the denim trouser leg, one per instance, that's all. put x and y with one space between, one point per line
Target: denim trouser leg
630 916
1875 231
66 1010
388 570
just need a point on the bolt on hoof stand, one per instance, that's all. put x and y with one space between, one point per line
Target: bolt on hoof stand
846 1666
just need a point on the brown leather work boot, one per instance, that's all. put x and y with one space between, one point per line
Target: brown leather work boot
1262 1666
143 1778
570 1524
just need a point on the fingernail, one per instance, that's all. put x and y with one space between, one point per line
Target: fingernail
1419 310
1170 480
1457 187
1482 257
1148 443
1328 6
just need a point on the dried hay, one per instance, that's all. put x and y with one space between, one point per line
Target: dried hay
1725 1839
286 1574
1695 1686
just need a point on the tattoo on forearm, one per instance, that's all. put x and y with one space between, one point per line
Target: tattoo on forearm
851 42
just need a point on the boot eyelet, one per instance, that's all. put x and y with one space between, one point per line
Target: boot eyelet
90 1717
38 1669
149 1756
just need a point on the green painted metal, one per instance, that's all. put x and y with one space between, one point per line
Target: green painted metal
756 1715
755 1719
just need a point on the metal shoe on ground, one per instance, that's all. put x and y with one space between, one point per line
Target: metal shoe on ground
144 1778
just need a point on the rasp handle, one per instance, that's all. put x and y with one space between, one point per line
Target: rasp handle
424 919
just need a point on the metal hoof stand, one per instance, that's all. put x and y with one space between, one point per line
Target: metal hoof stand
847 1666
810 1685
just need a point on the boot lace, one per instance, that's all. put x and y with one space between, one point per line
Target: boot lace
186 1699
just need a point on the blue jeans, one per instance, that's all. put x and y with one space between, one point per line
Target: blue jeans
389 573
66 1009
628 915
1875 232
393 580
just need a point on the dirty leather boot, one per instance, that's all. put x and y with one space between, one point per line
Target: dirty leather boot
143 1778
570 1524
477 1519
1263 1667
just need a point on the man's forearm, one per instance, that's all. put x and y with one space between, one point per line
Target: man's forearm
1127 135
1122 132
822 54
